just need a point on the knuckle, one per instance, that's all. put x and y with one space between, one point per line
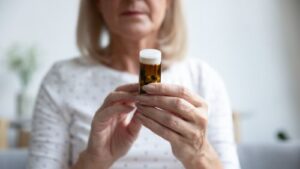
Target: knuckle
190 109
202 119
203 114
172 122
204 122
179 103
205 105
183 92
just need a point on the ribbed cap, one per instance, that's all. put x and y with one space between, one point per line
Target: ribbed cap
150 56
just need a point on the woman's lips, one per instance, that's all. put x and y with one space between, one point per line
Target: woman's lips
132 13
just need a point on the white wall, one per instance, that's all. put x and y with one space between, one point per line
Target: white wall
291 19
49 25
245 41
242 39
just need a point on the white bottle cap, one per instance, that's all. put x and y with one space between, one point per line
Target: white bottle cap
150 56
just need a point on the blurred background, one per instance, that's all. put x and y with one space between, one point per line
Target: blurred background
253 44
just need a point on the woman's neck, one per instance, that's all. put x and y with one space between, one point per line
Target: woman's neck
124 53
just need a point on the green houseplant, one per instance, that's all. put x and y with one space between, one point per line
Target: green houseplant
22 61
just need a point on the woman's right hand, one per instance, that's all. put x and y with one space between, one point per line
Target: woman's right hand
111 135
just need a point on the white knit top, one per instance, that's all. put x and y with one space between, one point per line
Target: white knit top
74 89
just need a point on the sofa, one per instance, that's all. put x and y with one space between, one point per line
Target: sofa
252 156
269 156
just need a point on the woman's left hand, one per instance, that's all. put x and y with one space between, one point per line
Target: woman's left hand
179 116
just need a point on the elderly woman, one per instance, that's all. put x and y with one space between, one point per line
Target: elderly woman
89 115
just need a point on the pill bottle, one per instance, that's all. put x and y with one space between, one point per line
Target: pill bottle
150 67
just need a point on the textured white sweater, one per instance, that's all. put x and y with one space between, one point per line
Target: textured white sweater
74 89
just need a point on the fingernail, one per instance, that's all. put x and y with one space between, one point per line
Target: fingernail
148 87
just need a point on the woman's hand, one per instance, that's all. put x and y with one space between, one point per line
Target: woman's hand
111 135
179 116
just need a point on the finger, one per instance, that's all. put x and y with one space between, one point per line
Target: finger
168 120
132 87
103 117
134 127
202 114
118 96
176 105
174 90
158 129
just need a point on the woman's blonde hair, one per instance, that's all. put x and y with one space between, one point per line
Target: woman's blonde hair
91 30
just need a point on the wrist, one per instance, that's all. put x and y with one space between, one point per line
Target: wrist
206 159
88 161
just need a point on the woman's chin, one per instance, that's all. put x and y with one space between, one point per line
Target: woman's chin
135 33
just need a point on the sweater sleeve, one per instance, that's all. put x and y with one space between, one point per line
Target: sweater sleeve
49 146
220 125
